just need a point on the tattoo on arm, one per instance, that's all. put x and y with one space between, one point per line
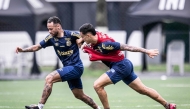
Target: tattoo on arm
32 48
125 47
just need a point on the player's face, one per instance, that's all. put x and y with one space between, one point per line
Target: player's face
85 37
53 29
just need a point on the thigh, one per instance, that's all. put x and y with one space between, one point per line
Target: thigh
137 84
113 75
121 71
70 72
53 77
130 78
75 83
103 80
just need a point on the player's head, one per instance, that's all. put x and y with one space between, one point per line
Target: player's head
87 31
54 25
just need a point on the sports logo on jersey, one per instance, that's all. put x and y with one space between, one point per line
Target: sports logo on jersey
107 47
111 70
68 43
62 46
56 44
55 39
60 69
63 53
99 49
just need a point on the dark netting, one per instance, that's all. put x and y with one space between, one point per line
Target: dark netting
116 12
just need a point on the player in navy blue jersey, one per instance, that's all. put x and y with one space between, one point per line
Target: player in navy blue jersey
101 47
66 47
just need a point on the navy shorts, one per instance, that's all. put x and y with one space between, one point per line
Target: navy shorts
122 70
72 75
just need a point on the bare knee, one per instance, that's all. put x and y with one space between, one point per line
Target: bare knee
79 96
49 80
97 86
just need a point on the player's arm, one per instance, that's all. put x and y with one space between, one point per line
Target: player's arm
150 52
76 36
32 48
79 42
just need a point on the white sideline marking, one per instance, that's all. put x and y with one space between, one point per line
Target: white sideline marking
175 85
3 107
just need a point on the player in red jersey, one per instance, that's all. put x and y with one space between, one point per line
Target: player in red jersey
102 47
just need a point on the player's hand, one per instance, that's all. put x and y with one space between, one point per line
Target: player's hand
82 47
152 53
79 42
18 49
85 45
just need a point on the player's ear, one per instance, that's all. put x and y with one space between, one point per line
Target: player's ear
58 26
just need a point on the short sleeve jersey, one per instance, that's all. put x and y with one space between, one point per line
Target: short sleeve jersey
65 47
106 47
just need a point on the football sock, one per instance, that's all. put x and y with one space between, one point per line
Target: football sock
167 105
40 106
98 107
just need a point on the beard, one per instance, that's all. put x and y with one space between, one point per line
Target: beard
55 34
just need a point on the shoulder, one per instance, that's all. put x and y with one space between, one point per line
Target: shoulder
72 33
48 37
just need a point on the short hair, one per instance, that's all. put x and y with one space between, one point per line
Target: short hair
87 27
54 19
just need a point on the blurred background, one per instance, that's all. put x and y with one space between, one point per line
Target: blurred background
152 24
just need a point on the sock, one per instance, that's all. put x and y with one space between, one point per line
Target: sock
167 105
98 107
40 106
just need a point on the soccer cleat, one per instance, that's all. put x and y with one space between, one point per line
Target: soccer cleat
171 106
32 106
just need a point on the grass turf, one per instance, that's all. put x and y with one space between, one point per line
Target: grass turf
17 94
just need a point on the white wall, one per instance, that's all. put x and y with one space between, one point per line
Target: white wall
154 41
8 43
135 39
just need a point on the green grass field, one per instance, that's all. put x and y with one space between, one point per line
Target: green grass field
16 94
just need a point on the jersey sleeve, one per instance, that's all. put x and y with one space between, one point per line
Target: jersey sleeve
46 42
110 46
75 35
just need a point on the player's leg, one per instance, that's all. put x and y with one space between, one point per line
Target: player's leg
135 83
79 94
50 79
138 86
99 85
75 84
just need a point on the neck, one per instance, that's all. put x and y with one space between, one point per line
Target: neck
60 33
94 39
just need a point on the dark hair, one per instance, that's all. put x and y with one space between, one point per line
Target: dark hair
87 27
54 19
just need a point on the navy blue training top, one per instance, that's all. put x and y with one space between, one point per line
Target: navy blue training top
65 47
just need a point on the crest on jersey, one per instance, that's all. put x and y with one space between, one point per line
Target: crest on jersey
55 39
56 44
68 42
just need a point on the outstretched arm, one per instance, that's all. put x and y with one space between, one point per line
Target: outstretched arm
150 52
32 48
